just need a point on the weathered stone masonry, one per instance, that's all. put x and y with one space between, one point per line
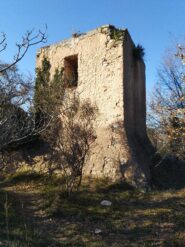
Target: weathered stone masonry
112 78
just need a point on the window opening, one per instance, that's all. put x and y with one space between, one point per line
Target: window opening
71 71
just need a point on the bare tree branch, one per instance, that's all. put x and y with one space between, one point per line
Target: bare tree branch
3 43
28 40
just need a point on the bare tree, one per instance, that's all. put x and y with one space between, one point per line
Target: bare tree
167 108
17 121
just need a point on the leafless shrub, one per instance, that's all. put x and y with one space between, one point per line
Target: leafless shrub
70 137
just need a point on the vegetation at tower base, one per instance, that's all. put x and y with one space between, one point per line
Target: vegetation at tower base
70 132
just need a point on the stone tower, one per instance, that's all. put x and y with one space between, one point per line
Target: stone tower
109 71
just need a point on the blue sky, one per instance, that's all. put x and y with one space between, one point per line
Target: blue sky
155 24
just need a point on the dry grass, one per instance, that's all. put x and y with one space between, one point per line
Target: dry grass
155 218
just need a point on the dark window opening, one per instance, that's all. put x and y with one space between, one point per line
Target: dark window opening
71 71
